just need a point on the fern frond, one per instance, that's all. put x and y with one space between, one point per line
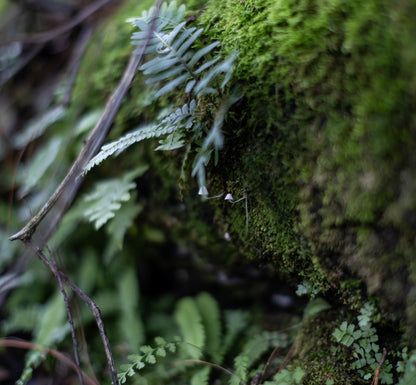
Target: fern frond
182 118
210 314
241 370
176 61
189 320
116 147
107 197
201 376
148 355
235 322
258 344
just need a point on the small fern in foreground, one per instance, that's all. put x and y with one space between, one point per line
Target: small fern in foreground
366 350
177 65
148 355
205 342
108 196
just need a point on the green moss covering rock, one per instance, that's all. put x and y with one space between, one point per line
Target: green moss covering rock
323 142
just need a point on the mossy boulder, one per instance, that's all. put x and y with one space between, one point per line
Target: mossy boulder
323 141
321 145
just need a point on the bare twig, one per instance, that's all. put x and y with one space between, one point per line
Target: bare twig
287 358
269 360
87 300
377 374
70 319
30 345
214 366
43 37
73 179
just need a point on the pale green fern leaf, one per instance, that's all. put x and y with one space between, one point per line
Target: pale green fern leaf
189 321
224 67
171 142
240 371
116 147
107 197
130 322
171 85
202 52
117 227
176 59
148 355
236 322
210 314
201 376
182 118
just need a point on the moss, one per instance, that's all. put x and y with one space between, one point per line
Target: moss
323 141
318 355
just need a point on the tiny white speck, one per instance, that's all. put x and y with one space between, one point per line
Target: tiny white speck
228 197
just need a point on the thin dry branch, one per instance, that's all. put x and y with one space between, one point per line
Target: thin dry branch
20 344
69 313
43 37
60 276
73 179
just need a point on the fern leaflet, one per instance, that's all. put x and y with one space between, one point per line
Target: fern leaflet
176 61
148 355
189 320
182 118
108 195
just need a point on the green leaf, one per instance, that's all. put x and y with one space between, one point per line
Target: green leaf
43 159
52 327
106 199
298 375
161 352
189 320
172 85
210 313
130 321
151 359
37 126
314 307
201 376
202 52
173 141
118 226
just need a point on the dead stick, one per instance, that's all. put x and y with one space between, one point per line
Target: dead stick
69 314
92 145
87 300
43 37
31 345
376 376
93 142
